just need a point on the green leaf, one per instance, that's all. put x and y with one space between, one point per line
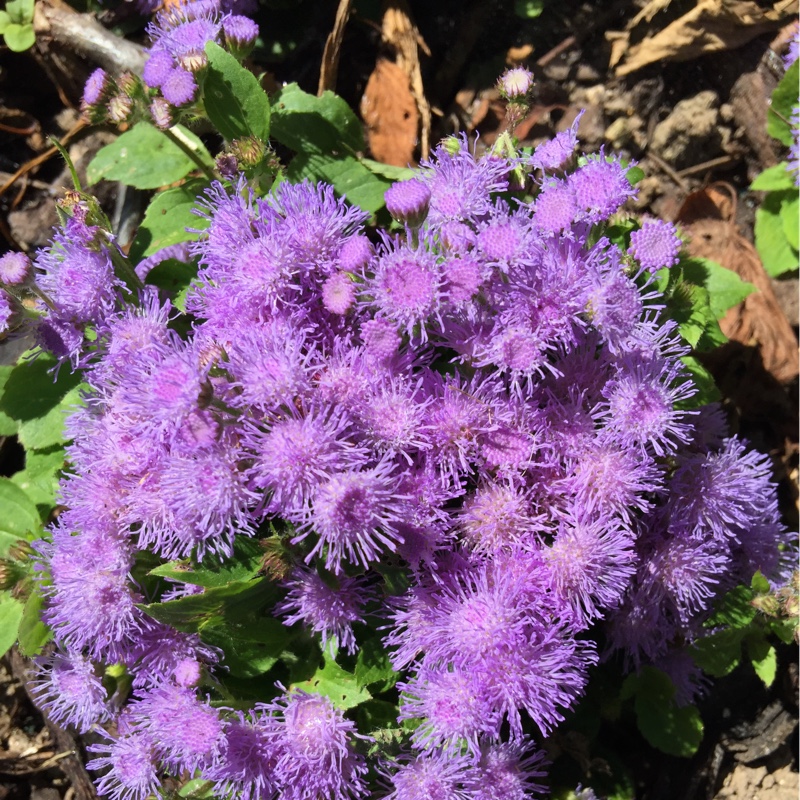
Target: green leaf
235 601
763 657
19 38
707 391
19 517
5 21
784 629
143 157
20 11
672 729
771 242
388 171
303 122
784 98
634 175
337 684
374 667
39 479
791 220
166 220
234 101
348 176
197 789
734 610
31 391
775 177
250 648
8 425
759 584
172 276
33 633
720 653
725 288
242 566
528 9
10 616
48 430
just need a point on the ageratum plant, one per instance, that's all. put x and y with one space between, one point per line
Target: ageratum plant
358 515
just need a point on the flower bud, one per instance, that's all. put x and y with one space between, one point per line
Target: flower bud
96 93
249 151
15 269
120 108
227 165
408 202
240 35
162 113
516 83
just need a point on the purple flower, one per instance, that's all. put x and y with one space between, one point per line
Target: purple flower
434 774
452 707
461 185
179 87
555 208
555 153
590 565
327 609
130 761
354 515
245 768
66 686
77 274
641 405
498 516
355 253
240 35
157 68
185 732
515 83
508 772
317 757
15 269
380 338
338 293
408 201
298 454
8 312
406 288
91 604
655 245
601 187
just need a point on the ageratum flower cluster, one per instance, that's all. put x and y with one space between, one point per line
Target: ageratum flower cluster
176 61
491 400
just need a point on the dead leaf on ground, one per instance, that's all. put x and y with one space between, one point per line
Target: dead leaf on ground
712 25
402 35
390 112
758 321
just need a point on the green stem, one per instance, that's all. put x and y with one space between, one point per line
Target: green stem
190 150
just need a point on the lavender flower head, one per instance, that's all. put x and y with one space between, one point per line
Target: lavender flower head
655 245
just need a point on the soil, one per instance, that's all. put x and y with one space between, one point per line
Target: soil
691 123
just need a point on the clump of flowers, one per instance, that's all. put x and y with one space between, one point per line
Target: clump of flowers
173 73
490 406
